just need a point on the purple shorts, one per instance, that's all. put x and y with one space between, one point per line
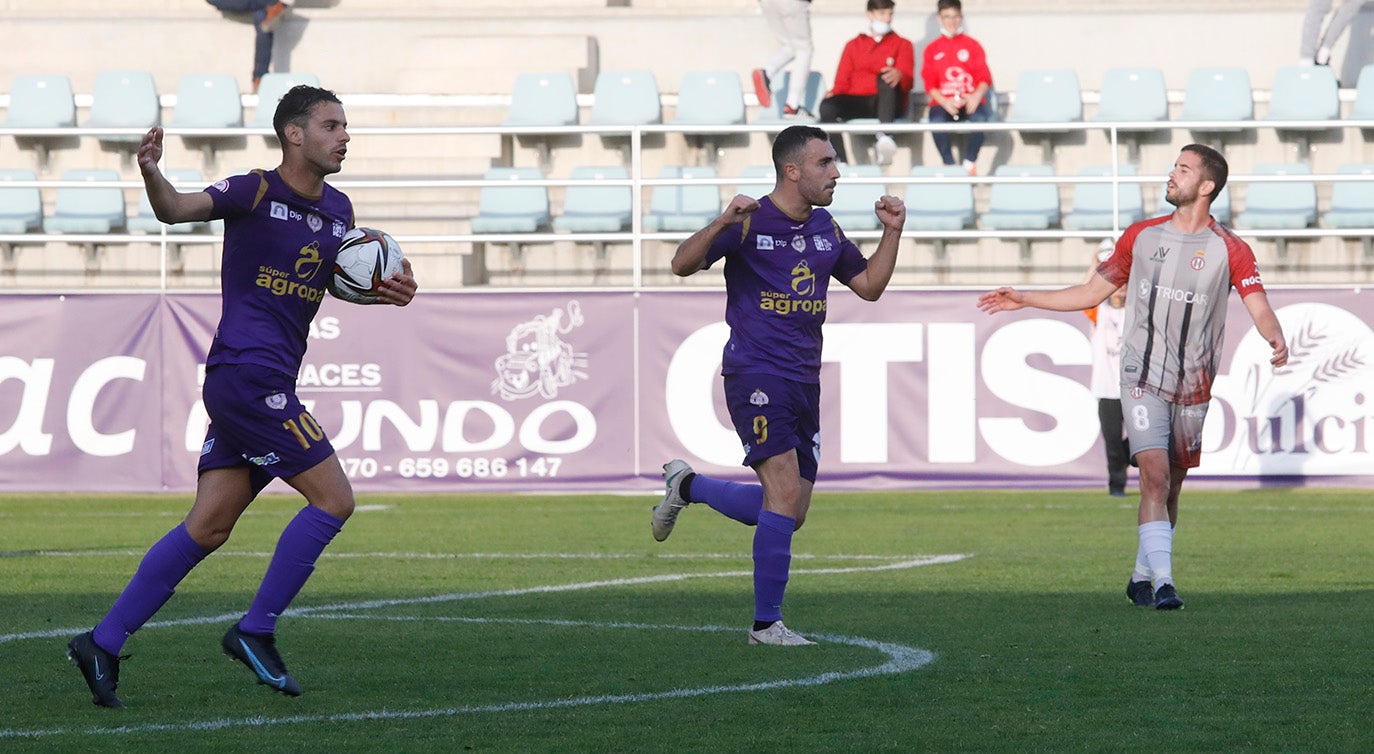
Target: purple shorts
256 420
774 415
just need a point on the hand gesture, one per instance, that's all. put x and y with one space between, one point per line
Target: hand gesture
150 150
399 289
891 212
892 76
739 208
1001 300
1280 356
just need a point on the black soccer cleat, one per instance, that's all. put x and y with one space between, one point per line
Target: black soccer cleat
259 653
1167 598
1140 593
98 667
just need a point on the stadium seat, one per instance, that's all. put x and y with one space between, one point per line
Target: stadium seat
596 209
682 207
852 204
1218 94
1046 96
1352 202
21 208
1279 205
42 102
1363 108
208 101
1092 202
626 98
81 209
270 91
1132 94
939 206
124 99
1022 206
505 206
543 99
811 99
710 98
1304 93
757 181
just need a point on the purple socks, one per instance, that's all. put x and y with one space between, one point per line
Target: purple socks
742 502
166 564
772 561
300 546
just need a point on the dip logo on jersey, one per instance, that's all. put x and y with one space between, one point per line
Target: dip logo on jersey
758 398
537 359
1161 253
276 401
1309 417
803 279
1199 260
763 243
799 244
313 220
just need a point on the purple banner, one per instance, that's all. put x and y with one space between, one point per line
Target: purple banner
568 391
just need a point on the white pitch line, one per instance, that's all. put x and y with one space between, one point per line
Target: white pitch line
462 596
900 659
744 556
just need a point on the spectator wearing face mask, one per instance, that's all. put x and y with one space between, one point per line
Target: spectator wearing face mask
876 72
955 72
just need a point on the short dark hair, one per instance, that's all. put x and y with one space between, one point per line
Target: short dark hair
955 4
881 4
295 107
788 146
1214 166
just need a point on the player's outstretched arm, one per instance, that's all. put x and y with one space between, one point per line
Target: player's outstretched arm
691 254
1267 322
399 290
1074 298
170 206
871 283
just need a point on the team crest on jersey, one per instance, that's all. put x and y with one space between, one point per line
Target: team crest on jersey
799 243
279 211
758 398
822 243
1199 260
962 55
763 243
276 401
221 186
314 221
1136 392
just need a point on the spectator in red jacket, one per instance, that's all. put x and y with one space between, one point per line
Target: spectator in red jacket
955 72
877 70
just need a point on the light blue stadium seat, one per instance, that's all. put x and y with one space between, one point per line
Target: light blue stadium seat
682 207
1133 94
208 101
1304 93
505 206
1047 96
939 206
757 181
811 99
184 180
1218 94
543 99
1279 205
1022 206
270 90
710 98
852 204
1092 202
1352 203
626 98
41 102
21 208
1364 95
124 99
81 209
596 209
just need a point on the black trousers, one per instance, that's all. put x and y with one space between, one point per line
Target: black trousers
1113 437
886 105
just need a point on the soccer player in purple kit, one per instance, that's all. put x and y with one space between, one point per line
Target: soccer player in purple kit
1178 271
780 252
283 228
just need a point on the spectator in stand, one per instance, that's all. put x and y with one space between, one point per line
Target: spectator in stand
267 17
790 22
876 72
1315 45
1109 322
955 72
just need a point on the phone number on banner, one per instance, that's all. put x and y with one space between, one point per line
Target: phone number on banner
463 468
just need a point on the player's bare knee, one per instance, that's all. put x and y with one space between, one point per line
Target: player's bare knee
340 508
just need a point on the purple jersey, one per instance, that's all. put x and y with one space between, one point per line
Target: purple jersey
777 272
279 250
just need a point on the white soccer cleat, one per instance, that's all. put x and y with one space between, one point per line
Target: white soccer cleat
665 513
778 635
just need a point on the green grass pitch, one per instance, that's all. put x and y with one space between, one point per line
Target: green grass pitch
949 621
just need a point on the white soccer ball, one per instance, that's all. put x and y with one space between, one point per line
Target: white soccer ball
367 256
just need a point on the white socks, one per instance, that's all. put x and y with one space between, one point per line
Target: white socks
1155 554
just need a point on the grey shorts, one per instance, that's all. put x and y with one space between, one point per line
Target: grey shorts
1152 422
